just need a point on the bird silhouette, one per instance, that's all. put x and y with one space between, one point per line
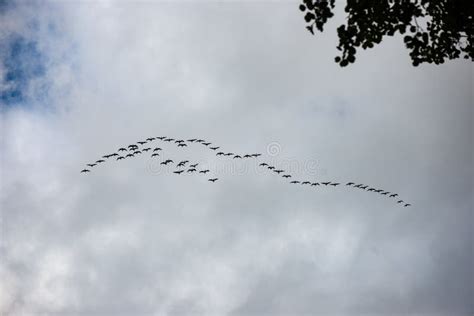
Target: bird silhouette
237 156
229 154
179 141
85 170
100 161
247 156
204 171
206 144
137 152
349 183
141 143
286 176
155 155
146 149
220 153
213 180
385 193
122 149
91 164
400 201
182 145
178 172
278 171
326 183
150 138
194 165
407 204
306 182
263 164
192 140
294 182
314 184
161 137
157 149
271 167
120 158
129 155
214 148
393 195
335 184
191 170
256 155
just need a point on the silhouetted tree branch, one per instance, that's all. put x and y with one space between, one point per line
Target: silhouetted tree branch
446 32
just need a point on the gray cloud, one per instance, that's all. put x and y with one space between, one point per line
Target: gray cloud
128 239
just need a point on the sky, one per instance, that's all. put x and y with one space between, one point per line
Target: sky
81 79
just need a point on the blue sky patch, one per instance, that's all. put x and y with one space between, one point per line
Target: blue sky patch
22 62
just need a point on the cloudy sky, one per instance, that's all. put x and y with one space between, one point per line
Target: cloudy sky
81 79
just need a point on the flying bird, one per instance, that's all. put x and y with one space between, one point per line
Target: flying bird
204 171
146 149
191 170
236 156
194 165
150 138
400 201
263 164
157 148
326 183
129 155
206 144
278 171
286 176
306 182
314 184
122 149
155 155
214 148
393 195
178 172
192 140
294 182
141 143
256 155
349 183
247 156
408 204
161 137
229 154
85 170
182 145
213 180
120 158
271 167
91 164
99 161
335 184
220 153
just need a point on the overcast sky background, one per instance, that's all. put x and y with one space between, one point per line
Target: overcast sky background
79 80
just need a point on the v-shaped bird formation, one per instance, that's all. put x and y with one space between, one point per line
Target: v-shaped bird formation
151 145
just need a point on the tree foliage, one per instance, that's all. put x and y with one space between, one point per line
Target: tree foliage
433 30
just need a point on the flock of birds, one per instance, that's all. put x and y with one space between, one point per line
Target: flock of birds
141 147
